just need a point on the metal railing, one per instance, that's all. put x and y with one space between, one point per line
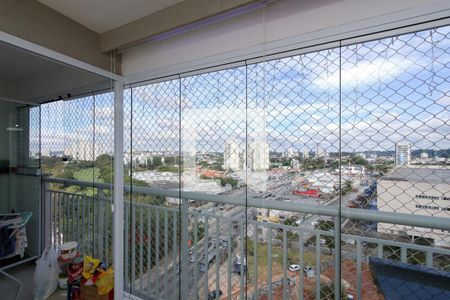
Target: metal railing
223 250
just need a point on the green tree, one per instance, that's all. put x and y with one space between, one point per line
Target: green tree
313 163
170 160
200 230
228 180
347 187
216 166
290 221
104 163
154 162
173 169
326 225
203 164
327 291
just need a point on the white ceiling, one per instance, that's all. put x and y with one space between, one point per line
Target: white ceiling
29 77
17 64
104 15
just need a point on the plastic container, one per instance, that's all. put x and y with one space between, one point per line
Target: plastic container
62 283
68 250
74 270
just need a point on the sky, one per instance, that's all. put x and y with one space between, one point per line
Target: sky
378 93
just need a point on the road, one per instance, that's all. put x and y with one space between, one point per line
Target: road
165 277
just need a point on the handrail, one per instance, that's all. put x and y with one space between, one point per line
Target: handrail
333 211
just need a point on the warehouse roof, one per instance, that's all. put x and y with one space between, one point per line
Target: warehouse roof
429 174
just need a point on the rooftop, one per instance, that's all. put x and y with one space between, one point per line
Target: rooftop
421 282
429 174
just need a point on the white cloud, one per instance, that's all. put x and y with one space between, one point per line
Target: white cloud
364 72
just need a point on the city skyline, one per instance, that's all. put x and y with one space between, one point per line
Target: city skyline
303 103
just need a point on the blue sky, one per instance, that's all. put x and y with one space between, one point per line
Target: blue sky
391 90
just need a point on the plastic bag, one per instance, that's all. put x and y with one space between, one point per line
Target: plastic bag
46 274
105 282
90 265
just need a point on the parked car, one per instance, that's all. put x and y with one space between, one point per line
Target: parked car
309 271
294 268
307 268
202 267
213 295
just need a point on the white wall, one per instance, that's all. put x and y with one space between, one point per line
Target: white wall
288 24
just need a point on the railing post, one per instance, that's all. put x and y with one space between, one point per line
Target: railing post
100 224
118 190
337 258
429 259
184 249
46 216
358 269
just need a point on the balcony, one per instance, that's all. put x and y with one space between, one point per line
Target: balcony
250 149
225 250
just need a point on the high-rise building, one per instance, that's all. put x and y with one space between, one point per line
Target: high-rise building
402 154
295 164
290 153
361 155
82 150
305 153
320 152
231 155
258 156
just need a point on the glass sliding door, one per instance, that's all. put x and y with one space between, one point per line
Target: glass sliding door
77 166
213 146
316 175
293 146
395 121
152 229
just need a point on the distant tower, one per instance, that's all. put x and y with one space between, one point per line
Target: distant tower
435 155
290 153
362 155
258 156
320 152
424 155
295 164
231 155
402 154
305 153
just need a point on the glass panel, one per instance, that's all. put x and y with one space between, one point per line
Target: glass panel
19 181
302 177
395 125
153 222
293 147
213 143
77 147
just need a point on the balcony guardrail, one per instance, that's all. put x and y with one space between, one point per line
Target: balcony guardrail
223 252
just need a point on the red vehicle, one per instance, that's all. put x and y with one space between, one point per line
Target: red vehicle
307 193
353 204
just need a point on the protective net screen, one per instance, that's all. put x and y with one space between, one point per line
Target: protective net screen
320 175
